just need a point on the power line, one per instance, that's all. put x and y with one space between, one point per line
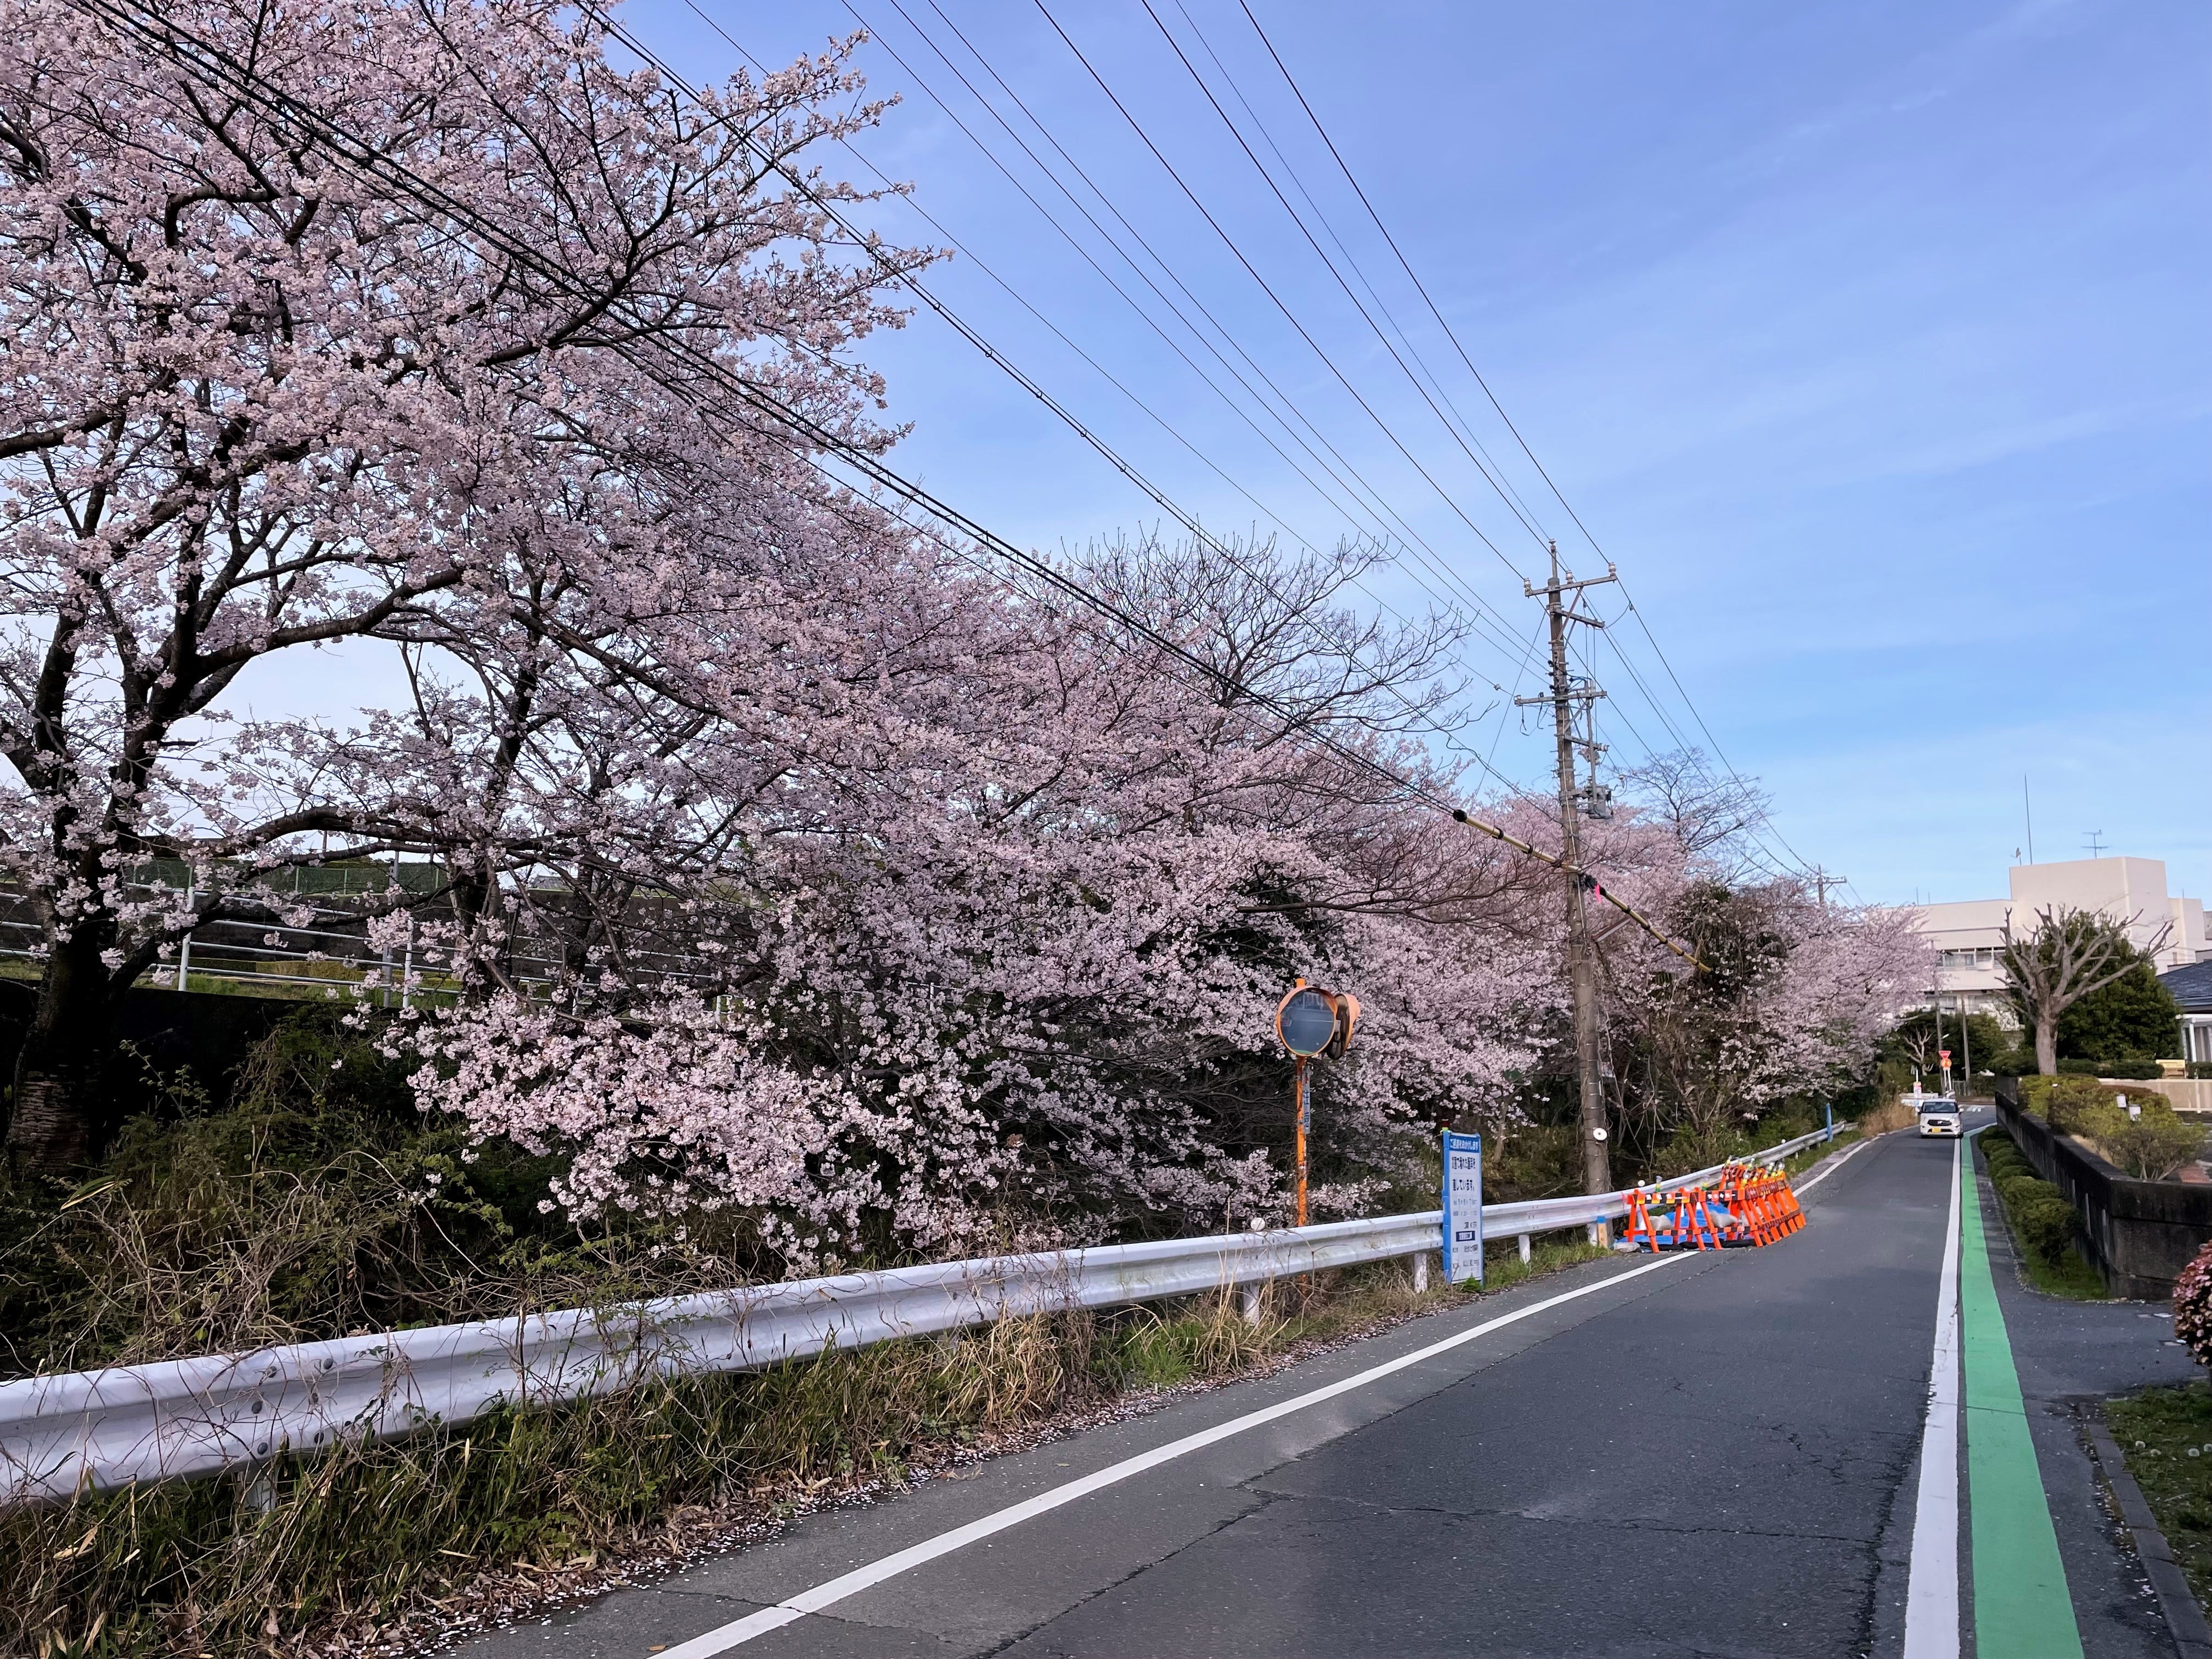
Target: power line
1336 239
1409 537
803 436
901 274
1188 520
1796 858
1267 288
1484 619
1480 619
1458 346
1291 81
1329 264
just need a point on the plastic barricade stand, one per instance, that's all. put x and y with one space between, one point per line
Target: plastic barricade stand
1702 1229
1770 1212
1743 1206
1638 1231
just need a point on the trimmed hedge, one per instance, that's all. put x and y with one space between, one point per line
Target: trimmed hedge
2040 1214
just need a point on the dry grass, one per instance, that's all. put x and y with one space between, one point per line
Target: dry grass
383 1547
1890 1115
323 1203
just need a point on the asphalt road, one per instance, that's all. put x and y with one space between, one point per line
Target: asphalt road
1717 1455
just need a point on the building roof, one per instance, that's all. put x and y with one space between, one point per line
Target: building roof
2192 986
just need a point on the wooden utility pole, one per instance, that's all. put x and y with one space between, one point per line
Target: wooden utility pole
1560 594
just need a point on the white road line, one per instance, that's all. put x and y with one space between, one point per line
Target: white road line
1931 1595
1848 1153
741 1631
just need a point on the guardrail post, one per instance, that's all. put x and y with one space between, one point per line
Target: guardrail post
184 944
1255 1296
1524 1250
258 1489
1420 1272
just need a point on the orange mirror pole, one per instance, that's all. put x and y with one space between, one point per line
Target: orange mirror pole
1298 1106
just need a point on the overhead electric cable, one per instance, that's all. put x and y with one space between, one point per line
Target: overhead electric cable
1336 239
1189 520
223 72
1434 311
1291 81
1479 620
1321 254
1410 538
1267 288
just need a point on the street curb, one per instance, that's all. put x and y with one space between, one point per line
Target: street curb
2177 1603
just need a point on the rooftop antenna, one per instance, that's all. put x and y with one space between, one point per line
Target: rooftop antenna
2027 807
2096 840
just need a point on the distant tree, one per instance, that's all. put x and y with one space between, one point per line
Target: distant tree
2133 1018
1711 818
2067 956
1792 1000
1921 1038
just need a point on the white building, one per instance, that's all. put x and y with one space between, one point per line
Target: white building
1967 933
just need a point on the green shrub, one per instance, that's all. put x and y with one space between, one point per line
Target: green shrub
2040 1213
2150 1145
2078 1105
2046 1222
2154 1144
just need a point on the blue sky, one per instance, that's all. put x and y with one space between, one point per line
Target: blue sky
1870 340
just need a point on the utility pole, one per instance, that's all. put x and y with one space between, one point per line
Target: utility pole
1560 596
1824 881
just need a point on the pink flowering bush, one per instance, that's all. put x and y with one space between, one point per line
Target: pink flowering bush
2192 1306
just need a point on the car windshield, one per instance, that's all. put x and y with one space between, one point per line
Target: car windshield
1939 1105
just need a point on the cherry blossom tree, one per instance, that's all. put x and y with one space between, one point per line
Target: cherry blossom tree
794 862
1014 962
252 406
1791 1001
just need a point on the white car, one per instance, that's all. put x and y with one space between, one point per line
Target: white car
1939 1117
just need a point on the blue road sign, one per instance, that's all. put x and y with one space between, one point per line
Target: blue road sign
1462 1209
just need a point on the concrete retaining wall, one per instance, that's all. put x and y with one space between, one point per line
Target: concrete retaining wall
2141 1234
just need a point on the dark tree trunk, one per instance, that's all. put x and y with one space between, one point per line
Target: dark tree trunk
60 1098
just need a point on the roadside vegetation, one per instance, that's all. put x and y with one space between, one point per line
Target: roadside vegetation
2166 1435
324 1202
2148 1139
400 1539
2046 1232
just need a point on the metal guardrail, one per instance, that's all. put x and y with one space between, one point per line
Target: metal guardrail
108 1428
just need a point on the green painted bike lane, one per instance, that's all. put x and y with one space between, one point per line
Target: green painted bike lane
2022 1608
